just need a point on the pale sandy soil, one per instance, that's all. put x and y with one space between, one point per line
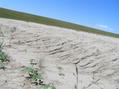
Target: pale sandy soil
88 61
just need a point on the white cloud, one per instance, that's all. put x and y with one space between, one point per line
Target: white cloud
103 26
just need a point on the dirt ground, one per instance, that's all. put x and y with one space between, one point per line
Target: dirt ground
70 59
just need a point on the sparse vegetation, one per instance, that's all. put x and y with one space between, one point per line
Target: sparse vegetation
3 57
34 74
47 86
2 65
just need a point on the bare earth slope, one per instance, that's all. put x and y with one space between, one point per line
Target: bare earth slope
86 61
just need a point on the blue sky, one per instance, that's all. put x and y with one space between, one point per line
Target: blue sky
102 14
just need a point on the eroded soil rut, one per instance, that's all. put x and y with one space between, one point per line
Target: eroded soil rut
71 59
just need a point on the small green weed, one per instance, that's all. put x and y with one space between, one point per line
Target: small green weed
3 57
47 86
2 65
36 77
33 73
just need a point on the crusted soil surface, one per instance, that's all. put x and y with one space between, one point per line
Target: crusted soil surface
69 59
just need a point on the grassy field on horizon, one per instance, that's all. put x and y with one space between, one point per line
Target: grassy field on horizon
11 14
